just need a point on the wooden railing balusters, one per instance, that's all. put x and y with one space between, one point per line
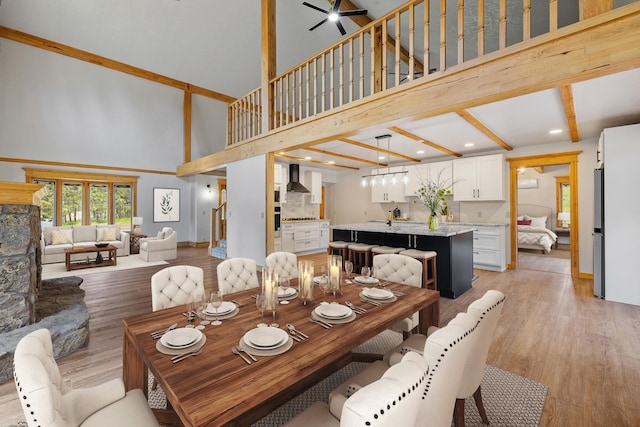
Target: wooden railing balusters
397 48
460 31
480 28
502 38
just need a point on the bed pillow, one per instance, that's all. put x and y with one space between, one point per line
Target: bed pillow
538 221
520 217
524 222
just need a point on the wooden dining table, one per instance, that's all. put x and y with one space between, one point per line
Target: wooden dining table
218 388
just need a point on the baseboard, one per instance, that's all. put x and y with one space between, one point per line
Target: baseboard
193 244
585 275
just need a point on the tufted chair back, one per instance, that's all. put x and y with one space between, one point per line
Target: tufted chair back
446 352
174 285
237 274
283 262
393 400
399 268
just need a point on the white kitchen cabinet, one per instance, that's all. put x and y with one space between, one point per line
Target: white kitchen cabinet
307 236
287 239
441 172
479 178
416 174
313 182
325 234
489 247
389 192
277 174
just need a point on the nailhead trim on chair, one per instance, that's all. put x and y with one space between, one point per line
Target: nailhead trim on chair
414 387
24 397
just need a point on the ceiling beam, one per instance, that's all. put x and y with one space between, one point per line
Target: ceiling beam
318 162
344 156
544 62
566 92
378 149
424 141
539 169
31 40
482 128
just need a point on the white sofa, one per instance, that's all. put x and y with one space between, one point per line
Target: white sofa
55 240
162 247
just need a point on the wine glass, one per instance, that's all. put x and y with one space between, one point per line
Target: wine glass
216 302
274 308
192 305
261 303
324 283
202 301
283 283
366 272
348 267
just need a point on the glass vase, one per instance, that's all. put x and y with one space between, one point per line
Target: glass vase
434 223
305 281
335 273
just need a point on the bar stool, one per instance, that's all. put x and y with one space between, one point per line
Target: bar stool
360 255
339 248
426 257
379 250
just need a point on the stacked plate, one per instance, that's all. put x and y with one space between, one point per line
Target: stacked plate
334 313
225 308
362 280
382 295
286 293
181 340
266 341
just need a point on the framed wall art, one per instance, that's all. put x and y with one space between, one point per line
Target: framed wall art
166 204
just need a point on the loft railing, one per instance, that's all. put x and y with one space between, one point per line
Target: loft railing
416 39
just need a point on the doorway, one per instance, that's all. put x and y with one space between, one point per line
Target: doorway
570 158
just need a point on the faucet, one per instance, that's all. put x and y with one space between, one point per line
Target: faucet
389 223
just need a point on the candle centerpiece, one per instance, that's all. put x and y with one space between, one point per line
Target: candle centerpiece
305 281
335 273
269 287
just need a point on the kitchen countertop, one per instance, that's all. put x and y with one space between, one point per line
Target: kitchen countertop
444 223
407 227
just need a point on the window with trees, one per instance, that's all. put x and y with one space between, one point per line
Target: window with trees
563 197
83 198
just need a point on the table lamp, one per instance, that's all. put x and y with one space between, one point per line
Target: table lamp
137 222
564 217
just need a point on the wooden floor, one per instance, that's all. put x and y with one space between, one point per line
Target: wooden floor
553 330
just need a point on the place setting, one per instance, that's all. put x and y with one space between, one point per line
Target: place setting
377 296
330 314
181 343
265 341
215 309
284 290
366 278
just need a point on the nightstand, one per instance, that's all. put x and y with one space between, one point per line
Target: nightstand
564 237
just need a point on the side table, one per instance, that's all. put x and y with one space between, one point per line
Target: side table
134 243
564 237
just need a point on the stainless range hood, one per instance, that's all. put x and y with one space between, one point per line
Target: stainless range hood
294 185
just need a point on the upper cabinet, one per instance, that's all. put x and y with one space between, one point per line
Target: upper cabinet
313 181
389 192
479 178
277 174
441 172
280 181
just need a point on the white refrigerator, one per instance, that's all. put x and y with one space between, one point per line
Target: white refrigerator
621 158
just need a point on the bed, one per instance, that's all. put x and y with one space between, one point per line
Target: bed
533 228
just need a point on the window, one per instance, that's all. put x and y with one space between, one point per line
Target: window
563 197
84 198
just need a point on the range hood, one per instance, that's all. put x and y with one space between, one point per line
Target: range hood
294 185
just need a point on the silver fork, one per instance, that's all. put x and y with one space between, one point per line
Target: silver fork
237 353
247 353
181 357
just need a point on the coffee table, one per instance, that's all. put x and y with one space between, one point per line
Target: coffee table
112 260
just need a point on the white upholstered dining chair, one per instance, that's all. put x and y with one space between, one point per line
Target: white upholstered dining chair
48 402
392 400
174 285
284 263
402 269
237 274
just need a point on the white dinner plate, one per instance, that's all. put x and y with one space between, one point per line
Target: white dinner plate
333 311
225 308
181 338
366 280
285 292
265 338
316 279
375 293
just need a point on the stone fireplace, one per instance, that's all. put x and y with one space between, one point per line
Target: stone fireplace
26 302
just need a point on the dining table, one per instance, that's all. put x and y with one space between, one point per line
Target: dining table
217 387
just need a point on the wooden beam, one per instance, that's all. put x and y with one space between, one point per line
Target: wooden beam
482 128
51 46
424 141
539 169
591 8
378 149
82 166
575 53
344 156
318 162
267 61
566 92
187 126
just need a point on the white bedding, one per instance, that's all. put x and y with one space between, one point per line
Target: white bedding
536 237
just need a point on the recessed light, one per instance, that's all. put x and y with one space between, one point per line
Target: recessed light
555 131
307 157
331 162
420 152
469 144
282 152
381 157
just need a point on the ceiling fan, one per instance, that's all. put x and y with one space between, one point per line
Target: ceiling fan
334 15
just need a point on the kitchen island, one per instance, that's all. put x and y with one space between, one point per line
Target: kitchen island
453 244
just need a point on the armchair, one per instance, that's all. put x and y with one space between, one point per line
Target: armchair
162 247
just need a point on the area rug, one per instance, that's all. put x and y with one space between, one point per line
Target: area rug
126 262
510 400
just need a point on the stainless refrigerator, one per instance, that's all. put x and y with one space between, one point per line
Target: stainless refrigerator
598 234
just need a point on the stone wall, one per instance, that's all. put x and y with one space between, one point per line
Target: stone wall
20 266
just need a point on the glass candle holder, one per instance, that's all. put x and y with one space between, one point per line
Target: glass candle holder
335 273
270 287
305 281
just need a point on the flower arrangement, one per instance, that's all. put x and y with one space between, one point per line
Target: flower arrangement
432 195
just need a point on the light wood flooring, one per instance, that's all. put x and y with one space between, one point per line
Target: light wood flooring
553 330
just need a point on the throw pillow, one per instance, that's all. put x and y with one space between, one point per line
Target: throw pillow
59 237
109 234
538 221
160 235
524 222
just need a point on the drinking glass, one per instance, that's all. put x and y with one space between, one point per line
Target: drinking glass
192 306
274 308
324 284
202 301
348 267
283 283
366 272
261 303
216 302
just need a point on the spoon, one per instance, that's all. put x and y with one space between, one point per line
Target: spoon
247 353
295 331
158 334
237 353
181 357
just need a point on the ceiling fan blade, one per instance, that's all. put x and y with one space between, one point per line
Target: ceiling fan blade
336 5
341 28
353 12
318 24
315 7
